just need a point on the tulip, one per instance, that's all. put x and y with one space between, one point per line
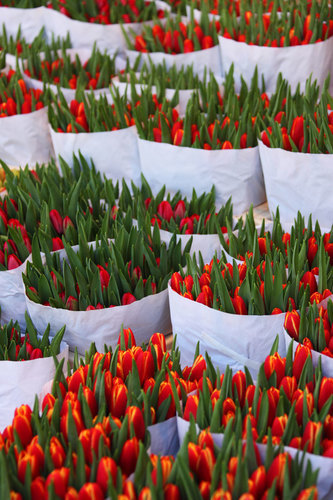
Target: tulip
165 211
165 391
180 209
13 262
275 364
71 494
291 323
325 391
297 130
239 386
279 425
277 470
72 304
310 434
59 478
91 491
198 367
25 458
22 425
206 463
309 279
135 419
289 385
171 492
193 451
57 452
78 378
57 244
128 338
301 355
91 400
299 397
37 488
308 493
127 298
145 365
129 456
191 407
78 420
118 402
106 470
56 221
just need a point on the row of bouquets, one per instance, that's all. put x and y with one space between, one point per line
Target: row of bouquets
133 421
218 129
274 41
241 287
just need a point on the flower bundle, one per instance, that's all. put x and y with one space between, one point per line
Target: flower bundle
16 345
291 403
59 69
239 471
17 45
176 214
112 274
304 126
248 289
94 424
287 24
175 36
312 327
159 75
90 114
42 208
256 243
209 131
106 12
15 99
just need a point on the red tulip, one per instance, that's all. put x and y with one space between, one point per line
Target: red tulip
239 386
135 419
56 220
106 470
277 470
301 355
91 491
325 391
59 478
291 323
206 463
129 456
275 364
127 298
310 434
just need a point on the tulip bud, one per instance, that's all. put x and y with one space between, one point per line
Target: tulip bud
22 425
107 468
13 262
277 470
165 391
301 355
72 304
57 452
135 418
206 463
91 491
191 407
309 279
57 244
198 367
129 338
275 364
171 492
56 221
59 478
310 434
145 365
239 386
176 281
127 298
118 401
308 493
325 391
291 323
129 456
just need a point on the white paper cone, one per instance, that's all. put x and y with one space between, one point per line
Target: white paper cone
12 296
31 21
22 380
207 244
298 182
295 63
114 153
235 172
200 59
229 339
69 94
25 139
84 35
164 437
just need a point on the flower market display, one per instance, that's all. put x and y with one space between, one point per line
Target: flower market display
166 250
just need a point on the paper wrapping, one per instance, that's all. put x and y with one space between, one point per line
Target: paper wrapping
229 339
235 172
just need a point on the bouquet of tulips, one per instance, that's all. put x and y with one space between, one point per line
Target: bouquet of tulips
301 238
247 297
83 120
300 29
132 271
169 42
312 328
70 70
27 118
204 155
28 358
299 134
106 12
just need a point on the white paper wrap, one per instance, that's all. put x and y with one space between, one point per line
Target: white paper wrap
229 339
21 380
114 153
69 94
201 59
207 244
295 63
31 21
235 172
164 437
102 326
12 296
25 139
86 34
298 182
